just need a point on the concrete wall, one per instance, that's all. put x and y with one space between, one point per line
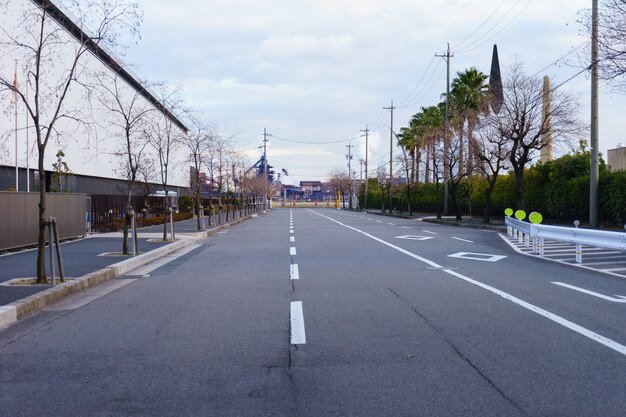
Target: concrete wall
19 217
616 159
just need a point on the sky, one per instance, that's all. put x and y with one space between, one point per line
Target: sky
315 73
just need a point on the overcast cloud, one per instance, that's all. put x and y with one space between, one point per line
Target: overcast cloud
319 71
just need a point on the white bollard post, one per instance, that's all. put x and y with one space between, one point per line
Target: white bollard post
579 253
540 246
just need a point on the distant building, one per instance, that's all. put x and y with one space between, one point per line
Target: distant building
310 187
616 159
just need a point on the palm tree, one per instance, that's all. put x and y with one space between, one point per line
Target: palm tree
469 96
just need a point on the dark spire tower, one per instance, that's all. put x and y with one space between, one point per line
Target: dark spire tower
495 82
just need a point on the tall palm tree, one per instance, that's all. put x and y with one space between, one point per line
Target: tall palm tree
469 96
432 126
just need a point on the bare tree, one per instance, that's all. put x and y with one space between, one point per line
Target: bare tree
55 62
126 119
197 143
611 42
339 181
522 123
492 153
164 135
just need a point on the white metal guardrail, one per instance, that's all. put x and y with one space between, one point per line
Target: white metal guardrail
539 232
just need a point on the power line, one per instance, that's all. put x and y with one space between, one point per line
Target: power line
458 45
315 143
473 45
435 78
418 83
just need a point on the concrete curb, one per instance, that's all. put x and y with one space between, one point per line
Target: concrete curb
17 310
493 227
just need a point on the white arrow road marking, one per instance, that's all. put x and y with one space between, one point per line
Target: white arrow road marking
292 251
596 337
413 237
294 273
298 335
616 299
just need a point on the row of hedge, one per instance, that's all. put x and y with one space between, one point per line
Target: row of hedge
558 189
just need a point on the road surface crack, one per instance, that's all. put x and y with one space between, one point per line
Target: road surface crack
460 354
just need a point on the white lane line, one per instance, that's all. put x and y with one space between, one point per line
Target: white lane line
294 273
406 227
148 268
462 240
90 295
550 316
292 238
378 221
428 231
616 299
291 231
369 219
298 335
292 251
391 224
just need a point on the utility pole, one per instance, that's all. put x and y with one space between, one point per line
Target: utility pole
17 186
366 131
594 174
265 177
446 137
390 108
349 158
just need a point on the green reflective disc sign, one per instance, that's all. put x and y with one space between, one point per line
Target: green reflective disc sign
508 212
535 217
520 214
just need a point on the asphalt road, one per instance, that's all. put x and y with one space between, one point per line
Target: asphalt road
330 313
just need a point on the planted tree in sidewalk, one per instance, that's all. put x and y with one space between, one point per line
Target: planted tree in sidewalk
127 115
54 52
197 144
164 135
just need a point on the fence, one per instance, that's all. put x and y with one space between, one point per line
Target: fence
590 237
19 217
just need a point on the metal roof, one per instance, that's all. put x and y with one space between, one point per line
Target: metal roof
106 57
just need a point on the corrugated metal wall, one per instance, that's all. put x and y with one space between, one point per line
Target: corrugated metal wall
19 217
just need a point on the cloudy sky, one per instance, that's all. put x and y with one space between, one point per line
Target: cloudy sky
318 71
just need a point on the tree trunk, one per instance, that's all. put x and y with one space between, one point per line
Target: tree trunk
519 188
41 240
427 169
488 191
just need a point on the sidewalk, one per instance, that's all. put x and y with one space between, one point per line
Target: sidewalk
86 264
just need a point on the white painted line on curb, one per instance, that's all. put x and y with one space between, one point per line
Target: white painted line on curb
298 335
462 240
292 251
611 344
294 273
